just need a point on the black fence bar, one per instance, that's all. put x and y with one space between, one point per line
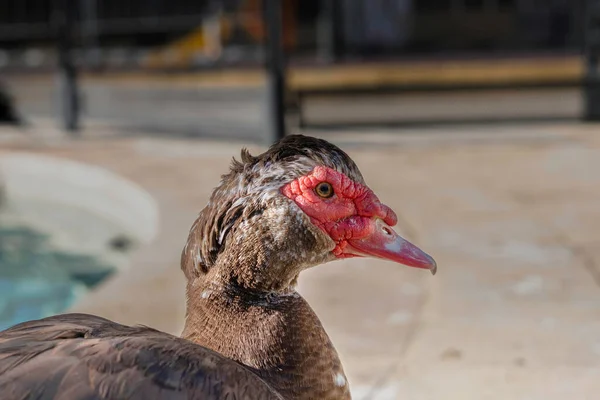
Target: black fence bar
592 54
64 18
327 30
275 69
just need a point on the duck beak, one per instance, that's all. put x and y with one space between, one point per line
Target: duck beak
384 242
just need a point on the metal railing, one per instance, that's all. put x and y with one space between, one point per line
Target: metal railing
70 25
338 29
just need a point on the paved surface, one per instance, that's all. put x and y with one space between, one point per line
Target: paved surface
511 214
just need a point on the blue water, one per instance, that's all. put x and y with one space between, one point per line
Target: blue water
37 281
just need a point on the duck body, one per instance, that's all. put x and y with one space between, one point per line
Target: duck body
79 356
248 334
282 351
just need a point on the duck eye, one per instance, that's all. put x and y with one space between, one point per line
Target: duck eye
324 190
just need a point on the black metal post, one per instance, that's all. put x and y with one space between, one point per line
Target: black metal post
89 25
64 18
275 63
592 57
327 33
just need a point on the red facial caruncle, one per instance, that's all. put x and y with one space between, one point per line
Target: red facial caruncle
352 215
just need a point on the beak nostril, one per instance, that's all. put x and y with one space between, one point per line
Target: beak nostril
387 231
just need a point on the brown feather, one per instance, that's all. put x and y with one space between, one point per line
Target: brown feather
78 356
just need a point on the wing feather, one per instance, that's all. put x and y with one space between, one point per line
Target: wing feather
84 357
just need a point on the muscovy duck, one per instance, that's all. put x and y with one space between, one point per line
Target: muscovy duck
248 334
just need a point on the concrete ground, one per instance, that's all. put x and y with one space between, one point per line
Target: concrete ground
510 212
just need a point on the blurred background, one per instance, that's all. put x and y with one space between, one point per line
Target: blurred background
476 120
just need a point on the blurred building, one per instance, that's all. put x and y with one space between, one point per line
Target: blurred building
196 32
434 26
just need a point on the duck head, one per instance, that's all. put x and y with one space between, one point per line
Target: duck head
301 203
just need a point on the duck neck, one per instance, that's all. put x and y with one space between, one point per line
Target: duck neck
275 334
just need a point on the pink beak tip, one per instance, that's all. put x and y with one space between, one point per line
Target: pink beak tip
433 267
